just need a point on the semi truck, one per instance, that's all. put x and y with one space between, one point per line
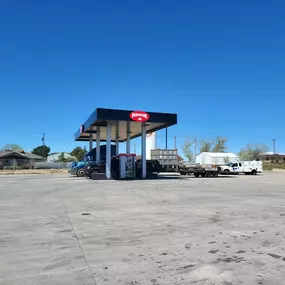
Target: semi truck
170 161
77 168
246 167
89 168
94 170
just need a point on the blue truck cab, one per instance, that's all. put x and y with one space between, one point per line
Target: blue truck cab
78 168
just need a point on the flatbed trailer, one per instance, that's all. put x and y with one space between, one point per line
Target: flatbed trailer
199 171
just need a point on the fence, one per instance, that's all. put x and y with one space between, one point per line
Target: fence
52 165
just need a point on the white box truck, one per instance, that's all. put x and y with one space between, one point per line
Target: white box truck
246 167
216 158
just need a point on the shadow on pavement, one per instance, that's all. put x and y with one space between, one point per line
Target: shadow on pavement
168 177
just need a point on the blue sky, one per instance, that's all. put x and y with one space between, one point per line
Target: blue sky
219 65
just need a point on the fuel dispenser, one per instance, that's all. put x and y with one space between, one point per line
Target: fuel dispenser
127 166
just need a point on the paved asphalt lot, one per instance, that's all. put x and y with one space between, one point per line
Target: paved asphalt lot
64 230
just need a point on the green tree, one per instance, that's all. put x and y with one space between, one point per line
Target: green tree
79 153
220 145
206 145
42 150
252 152
12 146
70 159
187 149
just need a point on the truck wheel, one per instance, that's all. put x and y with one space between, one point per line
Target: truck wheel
203 174
80 172
196 175
208 174
253 172
227 171
215 174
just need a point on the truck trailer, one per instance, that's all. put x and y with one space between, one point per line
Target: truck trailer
200 170
167 158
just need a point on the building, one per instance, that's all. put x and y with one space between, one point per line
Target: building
10 159
55 156
216 158
271 157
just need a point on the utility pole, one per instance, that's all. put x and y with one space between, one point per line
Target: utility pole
174 143
43 139
274 151
135 148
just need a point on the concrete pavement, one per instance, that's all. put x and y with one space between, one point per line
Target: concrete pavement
63 230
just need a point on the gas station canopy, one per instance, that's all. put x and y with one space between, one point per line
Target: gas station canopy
123 122
112 125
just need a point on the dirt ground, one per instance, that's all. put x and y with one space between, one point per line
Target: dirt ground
32 171
57 229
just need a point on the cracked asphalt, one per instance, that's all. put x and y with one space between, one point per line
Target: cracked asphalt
56 229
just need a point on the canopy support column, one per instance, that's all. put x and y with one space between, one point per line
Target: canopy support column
143 149
90 141
128 144
108 150
98 145
117 138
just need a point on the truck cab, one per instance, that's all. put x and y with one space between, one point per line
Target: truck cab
77 168
232 167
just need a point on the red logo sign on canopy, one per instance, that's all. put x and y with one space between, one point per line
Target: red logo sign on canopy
139 116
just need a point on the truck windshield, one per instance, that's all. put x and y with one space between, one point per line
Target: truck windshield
229 164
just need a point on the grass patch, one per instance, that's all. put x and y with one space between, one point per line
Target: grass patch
270 166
